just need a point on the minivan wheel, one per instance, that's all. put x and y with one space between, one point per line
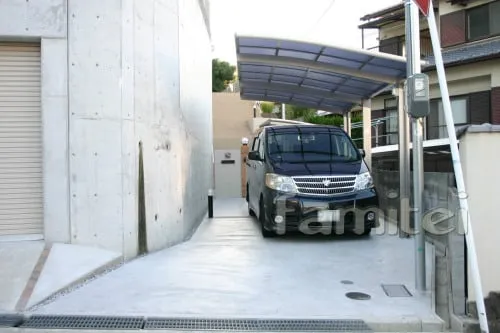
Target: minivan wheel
262 219
366 232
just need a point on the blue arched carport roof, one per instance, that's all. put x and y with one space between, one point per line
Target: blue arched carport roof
323 77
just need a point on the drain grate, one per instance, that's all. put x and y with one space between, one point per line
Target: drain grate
266 325
84 322
396 290
10 320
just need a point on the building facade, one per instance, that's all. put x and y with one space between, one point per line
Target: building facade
232 121
470 40
105 113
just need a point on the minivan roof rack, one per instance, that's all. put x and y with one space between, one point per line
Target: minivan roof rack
275 121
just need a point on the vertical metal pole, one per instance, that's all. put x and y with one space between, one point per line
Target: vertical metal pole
404 166
283 111
348 119
459 177
413 53
367 131
363 38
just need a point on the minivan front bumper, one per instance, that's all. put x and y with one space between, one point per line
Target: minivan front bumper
356 212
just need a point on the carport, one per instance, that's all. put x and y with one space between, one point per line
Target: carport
328 78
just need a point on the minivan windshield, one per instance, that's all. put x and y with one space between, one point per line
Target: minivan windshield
310 144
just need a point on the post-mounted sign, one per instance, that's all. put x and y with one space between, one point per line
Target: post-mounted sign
424 6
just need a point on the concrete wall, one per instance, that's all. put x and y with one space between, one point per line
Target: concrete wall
231 118
46 21
228 176
483 189
148 83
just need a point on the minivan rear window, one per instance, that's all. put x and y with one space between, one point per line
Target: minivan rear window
311 144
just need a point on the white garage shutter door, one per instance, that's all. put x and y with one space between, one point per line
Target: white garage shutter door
21 186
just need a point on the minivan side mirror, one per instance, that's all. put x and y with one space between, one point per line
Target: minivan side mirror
254 156
362 152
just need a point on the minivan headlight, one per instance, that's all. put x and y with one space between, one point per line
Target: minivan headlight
364 181
280 183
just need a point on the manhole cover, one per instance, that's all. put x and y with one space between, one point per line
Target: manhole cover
346 282
358 296
396 290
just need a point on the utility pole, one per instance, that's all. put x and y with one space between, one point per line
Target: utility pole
414 67
283 111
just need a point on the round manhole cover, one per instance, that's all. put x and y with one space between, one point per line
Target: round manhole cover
358 296
346 282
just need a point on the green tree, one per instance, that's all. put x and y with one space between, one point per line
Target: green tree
267 107
338 120
222 74
295 111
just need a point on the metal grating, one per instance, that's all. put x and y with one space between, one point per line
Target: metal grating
264 325
83 322
325 185
396 290
10 320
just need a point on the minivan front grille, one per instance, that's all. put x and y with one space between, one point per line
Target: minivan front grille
325 185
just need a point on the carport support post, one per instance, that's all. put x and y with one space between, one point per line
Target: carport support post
347 123
413 67
367 131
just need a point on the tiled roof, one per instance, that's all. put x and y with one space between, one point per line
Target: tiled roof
468 53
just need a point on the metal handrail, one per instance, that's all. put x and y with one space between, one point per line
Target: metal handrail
374 123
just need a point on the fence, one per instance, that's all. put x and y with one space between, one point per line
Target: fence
443 229
379 137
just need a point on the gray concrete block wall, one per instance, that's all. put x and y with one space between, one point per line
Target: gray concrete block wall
439 193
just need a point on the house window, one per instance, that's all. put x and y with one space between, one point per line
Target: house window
391 122
459 111
482 21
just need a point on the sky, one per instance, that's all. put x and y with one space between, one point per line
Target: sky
331 22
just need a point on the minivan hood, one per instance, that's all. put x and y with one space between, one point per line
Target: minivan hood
316 169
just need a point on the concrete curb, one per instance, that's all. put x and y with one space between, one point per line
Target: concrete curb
406 324
111 265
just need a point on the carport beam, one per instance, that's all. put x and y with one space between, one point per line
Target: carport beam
367 131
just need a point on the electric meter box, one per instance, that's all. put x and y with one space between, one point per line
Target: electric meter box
417 95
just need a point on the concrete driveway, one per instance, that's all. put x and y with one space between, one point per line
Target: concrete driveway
227 270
